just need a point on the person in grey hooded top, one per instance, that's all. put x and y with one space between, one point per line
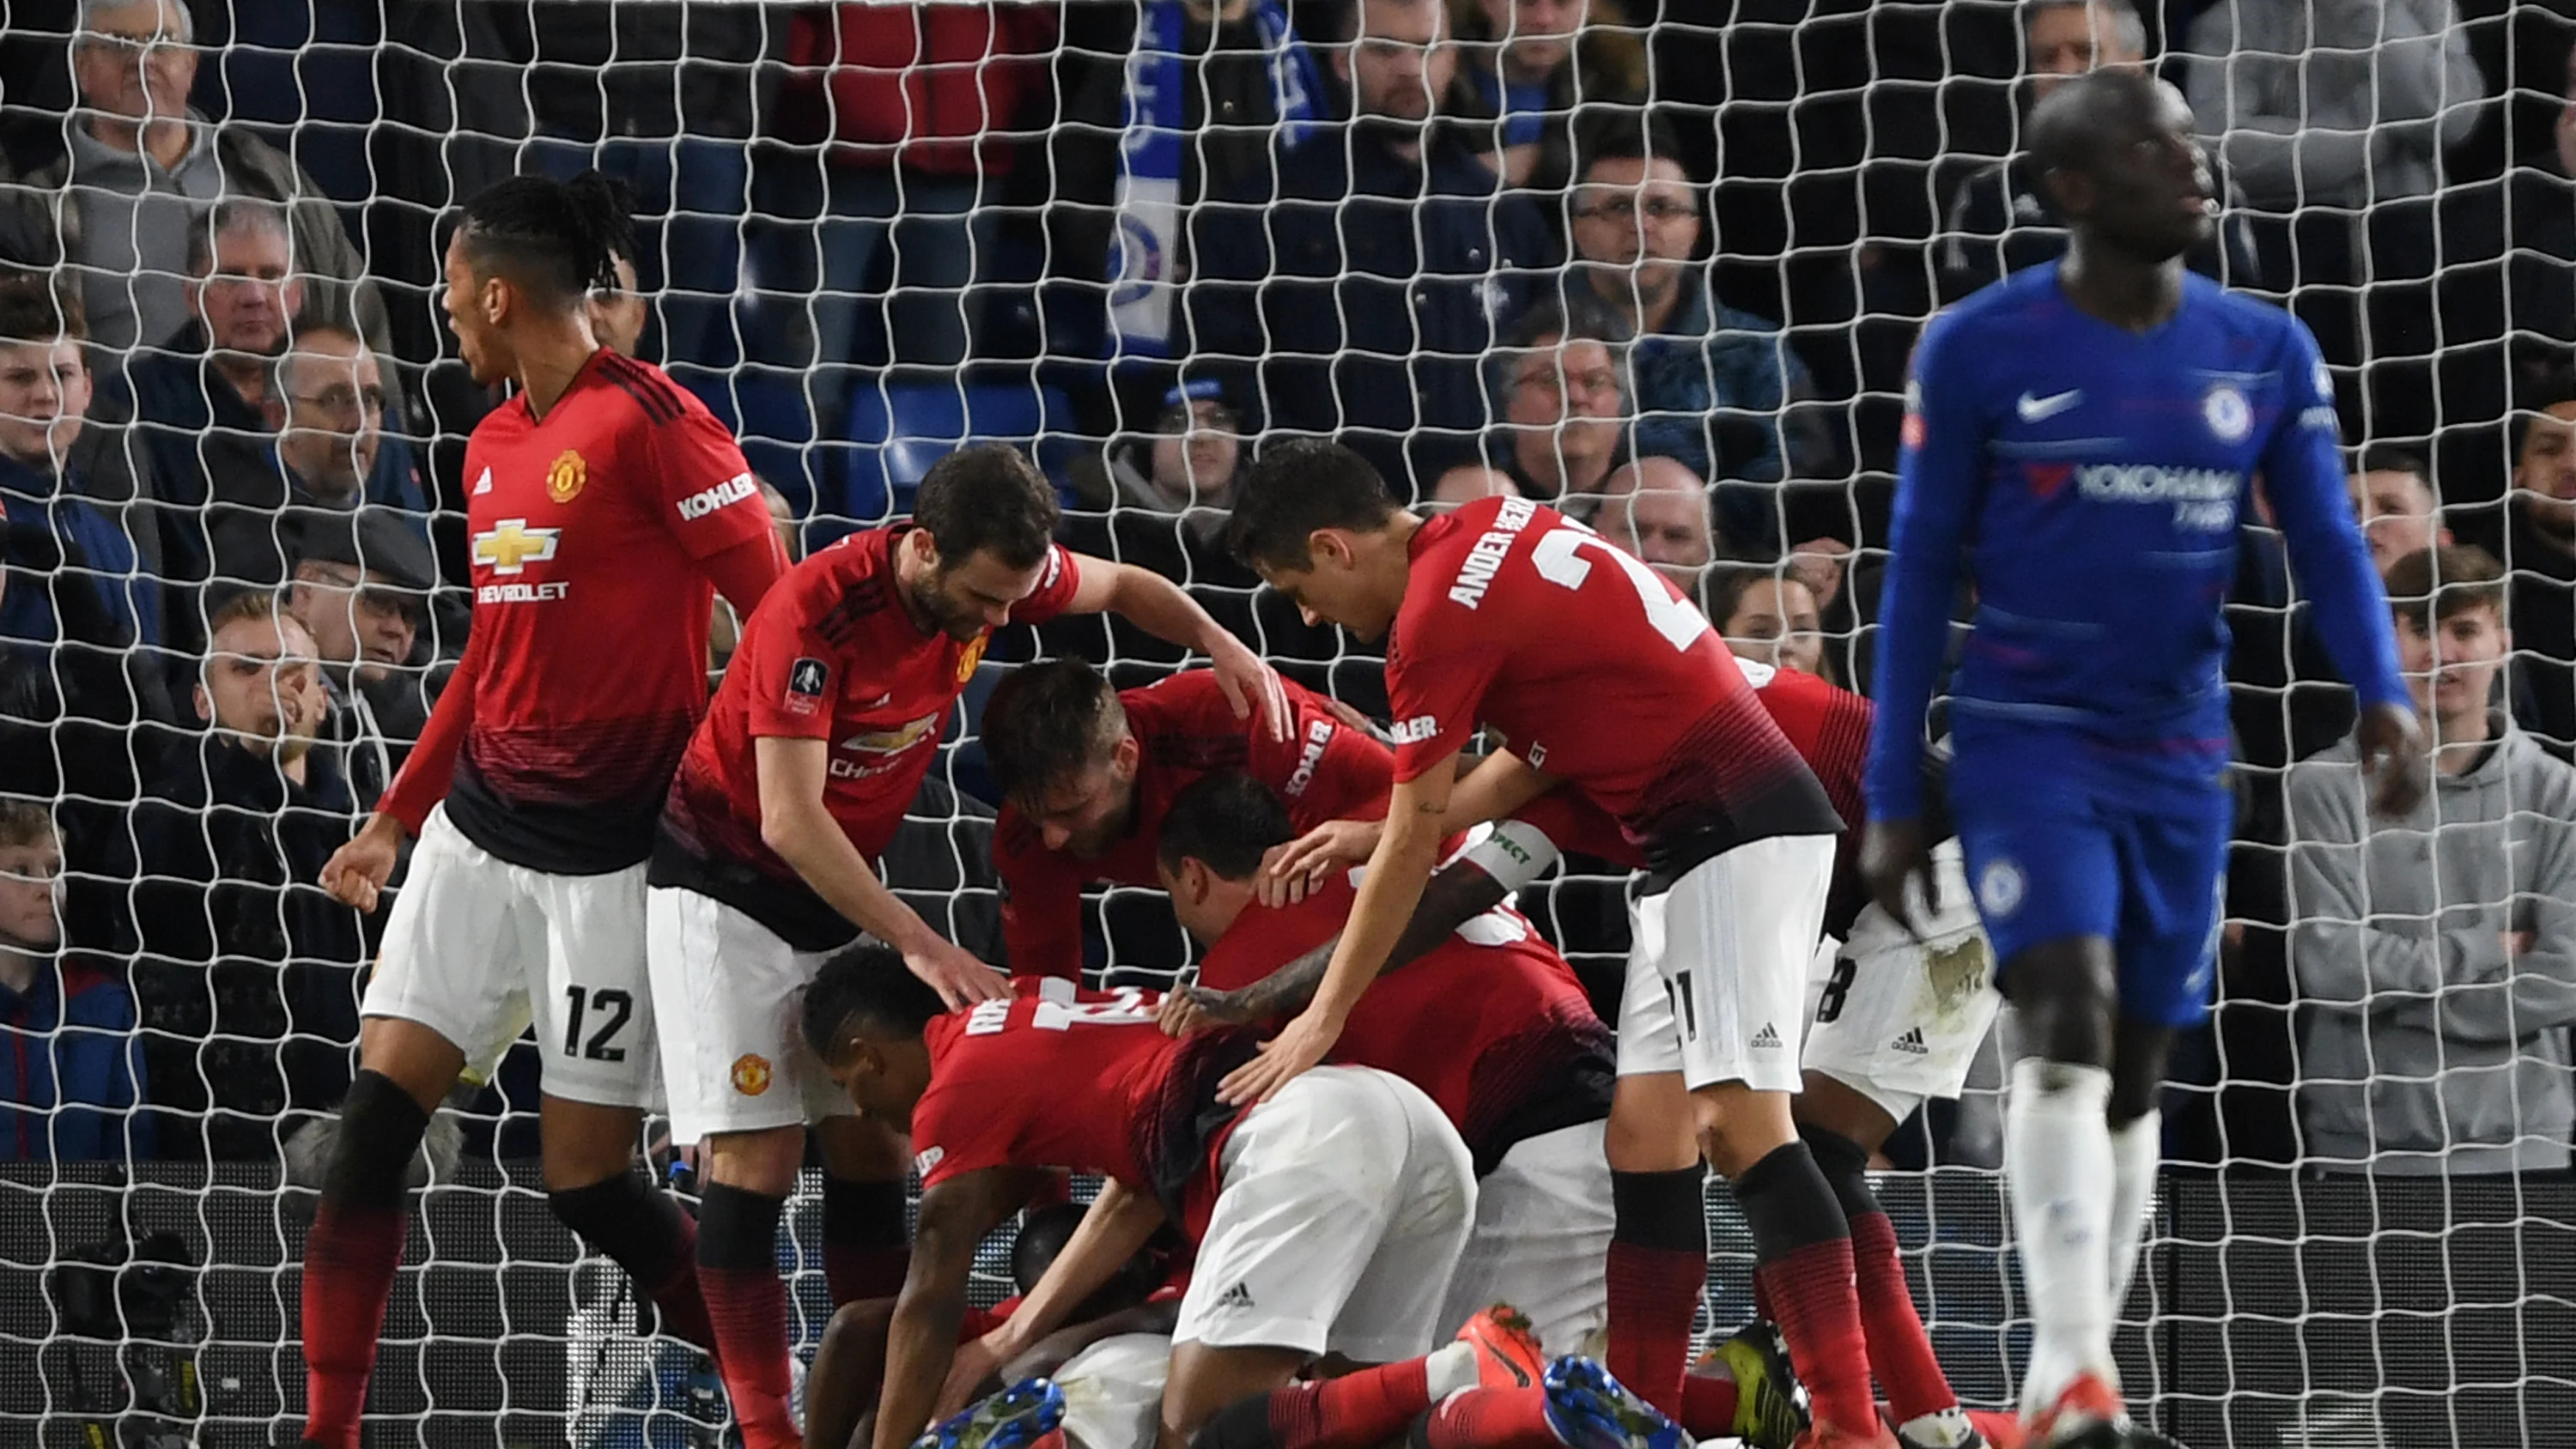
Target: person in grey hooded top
2434 958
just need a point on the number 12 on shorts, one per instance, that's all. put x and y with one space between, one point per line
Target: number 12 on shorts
614 1005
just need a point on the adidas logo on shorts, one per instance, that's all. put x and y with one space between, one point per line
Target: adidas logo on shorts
1238 1296
1767 1039
1911 1043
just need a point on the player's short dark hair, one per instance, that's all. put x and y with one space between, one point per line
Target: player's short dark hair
987 498
1047 720
866 990
1625 134
1296 488
38 307
1227 821
2432 584
2390 458
2085 116
550 238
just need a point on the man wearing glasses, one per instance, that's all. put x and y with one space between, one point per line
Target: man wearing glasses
1711 381
140 167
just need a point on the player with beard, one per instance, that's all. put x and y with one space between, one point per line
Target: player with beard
829 716
1087 772
607 507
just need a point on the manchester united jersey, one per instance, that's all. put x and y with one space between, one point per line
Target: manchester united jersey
1057 1077
590 613
832 654
1491 1023
1184 729
1595 669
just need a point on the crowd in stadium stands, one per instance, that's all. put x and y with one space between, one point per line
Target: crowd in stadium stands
1497 246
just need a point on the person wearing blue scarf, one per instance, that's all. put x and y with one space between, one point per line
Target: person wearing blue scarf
1145 255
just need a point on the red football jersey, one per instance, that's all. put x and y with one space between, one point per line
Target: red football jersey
590 611
1324 771
1491 1024
832 654
1058 1077
1593 668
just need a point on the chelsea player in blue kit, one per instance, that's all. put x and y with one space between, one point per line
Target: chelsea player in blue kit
2085 435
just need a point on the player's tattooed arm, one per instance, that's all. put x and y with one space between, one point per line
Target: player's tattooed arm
1456 894
922 1340
1496 790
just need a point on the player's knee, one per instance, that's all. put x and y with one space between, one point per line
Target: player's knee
1845 1165
763 1162
380 1128
1738 1127
2138 1072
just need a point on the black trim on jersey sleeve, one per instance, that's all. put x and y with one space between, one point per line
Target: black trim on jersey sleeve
653 391
787 909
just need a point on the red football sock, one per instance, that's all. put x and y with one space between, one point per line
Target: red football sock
1354 1411
1811 1290
1653 1294
1708 1407
1899 1352
748 1309
676 1296
349 1263
1490 1419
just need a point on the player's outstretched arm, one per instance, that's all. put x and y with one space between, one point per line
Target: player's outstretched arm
1417 821
796 823
1156 605
955 1216
1496 789
1112 1231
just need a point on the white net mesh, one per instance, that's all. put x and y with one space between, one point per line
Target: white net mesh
865 232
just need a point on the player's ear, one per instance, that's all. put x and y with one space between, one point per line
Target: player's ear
1125 756
1329 543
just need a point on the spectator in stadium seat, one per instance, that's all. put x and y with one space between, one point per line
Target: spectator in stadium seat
1188 465
1532 66
2540 544
1712 384
360 590
2434 957
143 168
1468 482
890 122
68 1067
1563 400
2392 495
1659 510
1771 617
248 979
325 403
2000 220
1223 80
1364 296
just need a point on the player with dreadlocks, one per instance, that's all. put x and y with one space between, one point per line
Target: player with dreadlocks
605 505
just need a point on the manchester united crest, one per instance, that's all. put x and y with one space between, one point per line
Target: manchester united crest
564 479
751 1074
971 656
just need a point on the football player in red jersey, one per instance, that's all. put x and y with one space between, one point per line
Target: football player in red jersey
827 720
1326 1217
1086 772
1602 676
606 507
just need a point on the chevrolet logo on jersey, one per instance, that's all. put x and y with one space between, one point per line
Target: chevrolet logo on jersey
894 741
510 545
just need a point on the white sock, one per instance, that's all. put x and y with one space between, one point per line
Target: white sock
2057 1164
1449 1368
2135 1151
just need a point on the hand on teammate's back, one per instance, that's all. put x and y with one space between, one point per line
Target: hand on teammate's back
1289 872
2394 758
1893 852
1300 1045
358 870
1249 684
960 979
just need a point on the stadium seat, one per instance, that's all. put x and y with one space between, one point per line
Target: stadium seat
897 430
770 413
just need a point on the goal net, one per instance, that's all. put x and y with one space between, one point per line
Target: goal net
1666 267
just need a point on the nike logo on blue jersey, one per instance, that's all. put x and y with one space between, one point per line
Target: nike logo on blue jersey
2039 409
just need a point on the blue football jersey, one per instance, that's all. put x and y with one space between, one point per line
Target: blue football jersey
2092 480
